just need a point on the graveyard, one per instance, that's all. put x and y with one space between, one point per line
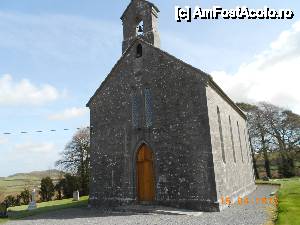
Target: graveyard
21 212
285 213
140 114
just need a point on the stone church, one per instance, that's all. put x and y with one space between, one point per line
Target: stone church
162 131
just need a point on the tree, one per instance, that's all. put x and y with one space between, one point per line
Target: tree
18 200
284 126
9 201
67 185
274 129
47 189
59 187
70 184
25 197
259 138
76 158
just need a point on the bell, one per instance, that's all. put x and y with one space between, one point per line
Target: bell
140 30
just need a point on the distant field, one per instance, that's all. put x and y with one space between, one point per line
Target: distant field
14 184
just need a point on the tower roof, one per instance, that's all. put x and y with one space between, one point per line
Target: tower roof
144 1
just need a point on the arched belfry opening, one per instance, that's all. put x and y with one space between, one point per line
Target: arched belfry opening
140 19
145 174
140 28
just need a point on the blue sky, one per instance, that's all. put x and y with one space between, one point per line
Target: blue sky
54 54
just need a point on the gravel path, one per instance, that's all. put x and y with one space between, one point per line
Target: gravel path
254 214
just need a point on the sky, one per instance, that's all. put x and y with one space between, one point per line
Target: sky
54 54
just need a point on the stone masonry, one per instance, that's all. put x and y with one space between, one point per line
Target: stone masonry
153 98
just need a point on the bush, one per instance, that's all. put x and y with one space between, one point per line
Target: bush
70 184
18 200
10 201
286 167
47 189
25 197
59 188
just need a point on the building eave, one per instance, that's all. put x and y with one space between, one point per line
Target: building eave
217 88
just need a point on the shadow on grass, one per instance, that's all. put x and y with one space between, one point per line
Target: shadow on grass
24 213
72 210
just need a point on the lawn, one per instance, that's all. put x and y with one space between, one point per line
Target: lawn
289 201
20 212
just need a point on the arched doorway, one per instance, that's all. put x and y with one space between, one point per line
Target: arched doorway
145 174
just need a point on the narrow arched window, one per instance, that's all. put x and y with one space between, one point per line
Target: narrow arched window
246 145
239 133
221 135
139 51
140 28
135 106
148 108
232 141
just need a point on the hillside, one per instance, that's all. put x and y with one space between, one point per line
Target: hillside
14 184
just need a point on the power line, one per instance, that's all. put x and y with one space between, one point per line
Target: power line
43 131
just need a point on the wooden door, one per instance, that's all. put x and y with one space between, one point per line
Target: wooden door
145 174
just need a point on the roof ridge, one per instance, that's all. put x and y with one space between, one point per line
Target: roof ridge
132 1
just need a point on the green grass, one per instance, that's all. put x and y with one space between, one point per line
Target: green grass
289 200
20 212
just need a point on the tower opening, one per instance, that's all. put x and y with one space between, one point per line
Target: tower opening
139 51
140 29
140 20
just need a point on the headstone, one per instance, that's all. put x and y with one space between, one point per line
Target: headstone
32 204
76 196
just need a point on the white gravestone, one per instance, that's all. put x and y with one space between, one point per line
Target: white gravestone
76 196
32 204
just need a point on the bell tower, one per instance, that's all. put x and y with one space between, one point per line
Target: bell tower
140 19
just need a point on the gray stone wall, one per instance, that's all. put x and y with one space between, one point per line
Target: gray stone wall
136 12
233 179
179 135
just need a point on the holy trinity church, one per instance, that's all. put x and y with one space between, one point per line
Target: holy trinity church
162 131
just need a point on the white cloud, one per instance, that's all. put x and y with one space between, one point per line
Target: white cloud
34 148
273 75
3 140
69 114
24 92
